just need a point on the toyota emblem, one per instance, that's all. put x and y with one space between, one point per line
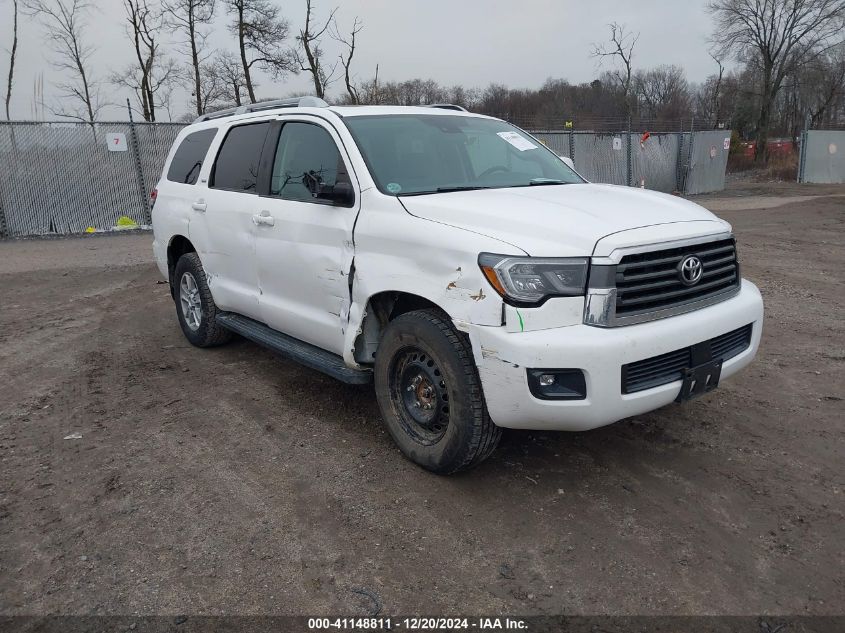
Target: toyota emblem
690 270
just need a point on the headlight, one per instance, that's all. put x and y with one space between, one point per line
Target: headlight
533 279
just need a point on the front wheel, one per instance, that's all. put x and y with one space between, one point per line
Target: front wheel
430 394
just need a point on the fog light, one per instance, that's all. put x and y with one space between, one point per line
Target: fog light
557 384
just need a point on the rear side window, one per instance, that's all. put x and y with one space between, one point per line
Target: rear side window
236 168
187 161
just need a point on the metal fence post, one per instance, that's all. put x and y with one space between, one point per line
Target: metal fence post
3 229
629 166
572 145
802 155
145 199
679 164
688 171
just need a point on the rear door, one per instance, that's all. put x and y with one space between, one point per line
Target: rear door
305 247
230 203
176 191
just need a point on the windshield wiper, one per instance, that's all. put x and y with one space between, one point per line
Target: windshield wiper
461 188
444 190
537 182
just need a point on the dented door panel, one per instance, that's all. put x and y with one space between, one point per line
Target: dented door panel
304 261
305 253
397 252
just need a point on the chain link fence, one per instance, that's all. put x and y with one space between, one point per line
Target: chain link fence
659 161
67 177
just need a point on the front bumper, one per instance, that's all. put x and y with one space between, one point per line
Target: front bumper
503 357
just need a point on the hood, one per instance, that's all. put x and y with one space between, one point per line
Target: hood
560 220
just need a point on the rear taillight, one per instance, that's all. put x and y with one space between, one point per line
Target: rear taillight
153 196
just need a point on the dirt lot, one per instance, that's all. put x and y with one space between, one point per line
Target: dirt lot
230 481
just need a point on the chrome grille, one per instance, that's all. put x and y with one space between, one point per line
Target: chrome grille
669 367
648 282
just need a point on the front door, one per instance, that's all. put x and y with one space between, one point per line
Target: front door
304 243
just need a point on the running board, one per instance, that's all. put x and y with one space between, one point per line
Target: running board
300 351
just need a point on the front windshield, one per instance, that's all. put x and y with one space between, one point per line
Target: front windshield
414 154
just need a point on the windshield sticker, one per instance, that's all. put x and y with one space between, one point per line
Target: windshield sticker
394 187
519 142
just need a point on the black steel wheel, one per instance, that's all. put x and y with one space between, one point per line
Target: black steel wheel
417 382
430 394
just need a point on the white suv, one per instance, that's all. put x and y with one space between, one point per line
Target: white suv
454 261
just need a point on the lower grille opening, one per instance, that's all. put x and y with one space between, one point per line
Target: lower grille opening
665 368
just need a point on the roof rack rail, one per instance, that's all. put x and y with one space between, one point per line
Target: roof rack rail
295 102
447 106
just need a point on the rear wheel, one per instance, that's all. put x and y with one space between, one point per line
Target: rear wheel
195 306
430 394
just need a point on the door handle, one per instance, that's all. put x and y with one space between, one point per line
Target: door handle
199 205
264 218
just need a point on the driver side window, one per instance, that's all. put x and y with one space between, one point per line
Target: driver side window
307 161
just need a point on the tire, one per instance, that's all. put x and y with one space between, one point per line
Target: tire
430 394
195 307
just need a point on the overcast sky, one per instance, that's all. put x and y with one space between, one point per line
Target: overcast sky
471 42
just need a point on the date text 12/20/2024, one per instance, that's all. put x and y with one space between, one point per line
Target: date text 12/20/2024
418 624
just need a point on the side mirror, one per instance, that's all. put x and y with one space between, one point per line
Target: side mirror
569 162
341 194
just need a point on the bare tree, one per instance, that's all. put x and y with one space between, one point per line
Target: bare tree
228 77
710 102
309 42
621 48
214 90
663 92
190 17
370 92
716 97
346 60
64 22
12 54
465 97
261 31
778 37
155 92
151 77
825 80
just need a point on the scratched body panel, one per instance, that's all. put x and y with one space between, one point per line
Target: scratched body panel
397 252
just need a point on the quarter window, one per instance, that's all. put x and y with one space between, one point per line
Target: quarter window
187 161
236 168
307 161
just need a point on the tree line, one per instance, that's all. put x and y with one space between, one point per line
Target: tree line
170 49
789 68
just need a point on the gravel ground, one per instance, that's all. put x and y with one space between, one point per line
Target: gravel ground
231 481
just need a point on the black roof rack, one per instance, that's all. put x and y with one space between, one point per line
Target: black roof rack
295 102
448 106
